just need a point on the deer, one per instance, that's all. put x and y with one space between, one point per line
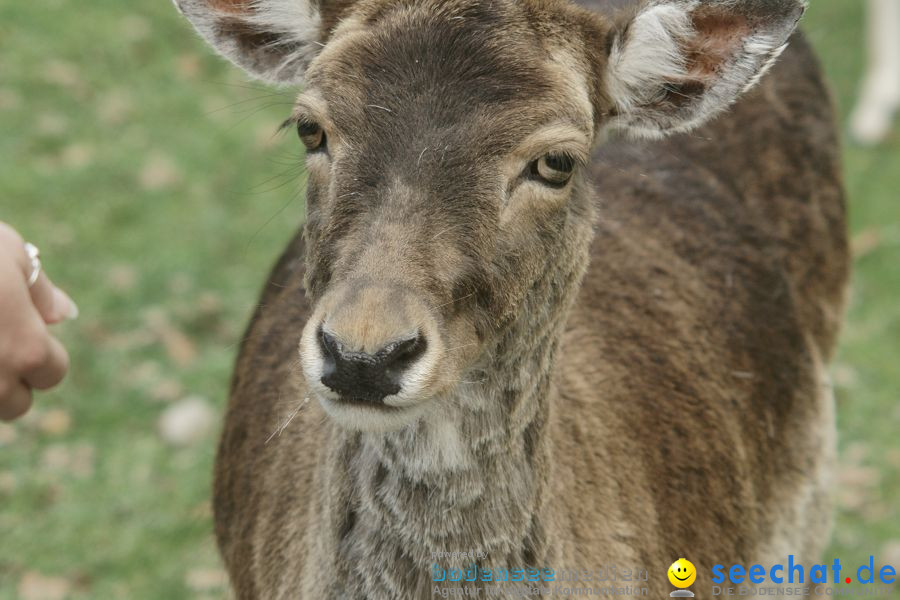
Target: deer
565 296
872 118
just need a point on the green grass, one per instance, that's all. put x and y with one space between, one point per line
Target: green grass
147 171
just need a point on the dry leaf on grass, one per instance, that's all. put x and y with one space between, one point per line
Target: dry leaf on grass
178 345
180 283
855 453
857 483
865 242
8 434
63 74
188 66
203 510
9 99
8 482
858 476
36 586
166 390
135 28
202 315
893 457
210 305
159 173
55 422
890 554
115 107
51 124
76 460
122 277
206 580
76 156
148 377
844 375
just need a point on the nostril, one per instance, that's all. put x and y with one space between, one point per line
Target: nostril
399 356
328 344
331 351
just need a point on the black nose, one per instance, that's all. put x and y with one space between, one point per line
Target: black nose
367 378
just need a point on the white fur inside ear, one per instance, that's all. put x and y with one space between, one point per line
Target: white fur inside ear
295 21
648 55
760 48
288 40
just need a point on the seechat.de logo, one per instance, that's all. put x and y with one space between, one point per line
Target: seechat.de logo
795 573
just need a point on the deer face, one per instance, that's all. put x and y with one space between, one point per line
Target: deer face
444 146
442 167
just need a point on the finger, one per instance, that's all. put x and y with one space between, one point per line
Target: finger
48 366
13 243
53 304
42 296
15 403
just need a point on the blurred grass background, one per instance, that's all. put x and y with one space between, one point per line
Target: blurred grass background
149 173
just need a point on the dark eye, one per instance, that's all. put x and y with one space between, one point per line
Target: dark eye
554 170
312 135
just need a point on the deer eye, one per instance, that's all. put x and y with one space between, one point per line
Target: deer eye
312 135
554 170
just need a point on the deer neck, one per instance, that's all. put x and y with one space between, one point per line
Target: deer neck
472 476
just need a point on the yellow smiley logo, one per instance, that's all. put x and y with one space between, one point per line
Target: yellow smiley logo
682 573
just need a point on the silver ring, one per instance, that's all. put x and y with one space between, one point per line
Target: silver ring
34 255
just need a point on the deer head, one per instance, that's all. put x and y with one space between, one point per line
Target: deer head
445 142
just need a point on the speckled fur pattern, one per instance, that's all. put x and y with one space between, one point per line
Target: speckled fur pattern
649 376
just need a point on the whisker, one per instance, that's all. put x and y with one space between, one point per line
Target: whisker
292 174
456 300
294 198
257 111
460 347
241 86
443 231
451 380
242 102
290 418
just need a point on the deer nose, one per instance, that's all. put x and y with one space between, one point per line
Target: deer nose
366 378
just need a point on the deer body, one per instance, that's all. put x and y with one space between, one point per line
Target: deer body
649 383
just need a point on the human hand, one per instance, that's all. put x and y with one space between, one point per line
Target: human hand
30 357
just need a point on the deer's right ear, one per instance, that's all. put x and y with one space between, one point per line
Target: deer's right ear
273 40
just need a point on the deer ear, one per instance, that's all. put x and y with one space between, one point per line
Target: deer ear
273 40
674 64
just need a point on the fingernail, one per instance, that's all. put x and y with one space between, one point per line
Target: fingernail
64 305
73 310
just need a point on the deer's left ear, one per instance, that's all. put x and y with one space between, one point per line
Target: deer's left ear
676 63
273 40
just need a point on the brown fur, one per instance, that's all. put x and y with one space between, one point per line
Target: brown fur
630 371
